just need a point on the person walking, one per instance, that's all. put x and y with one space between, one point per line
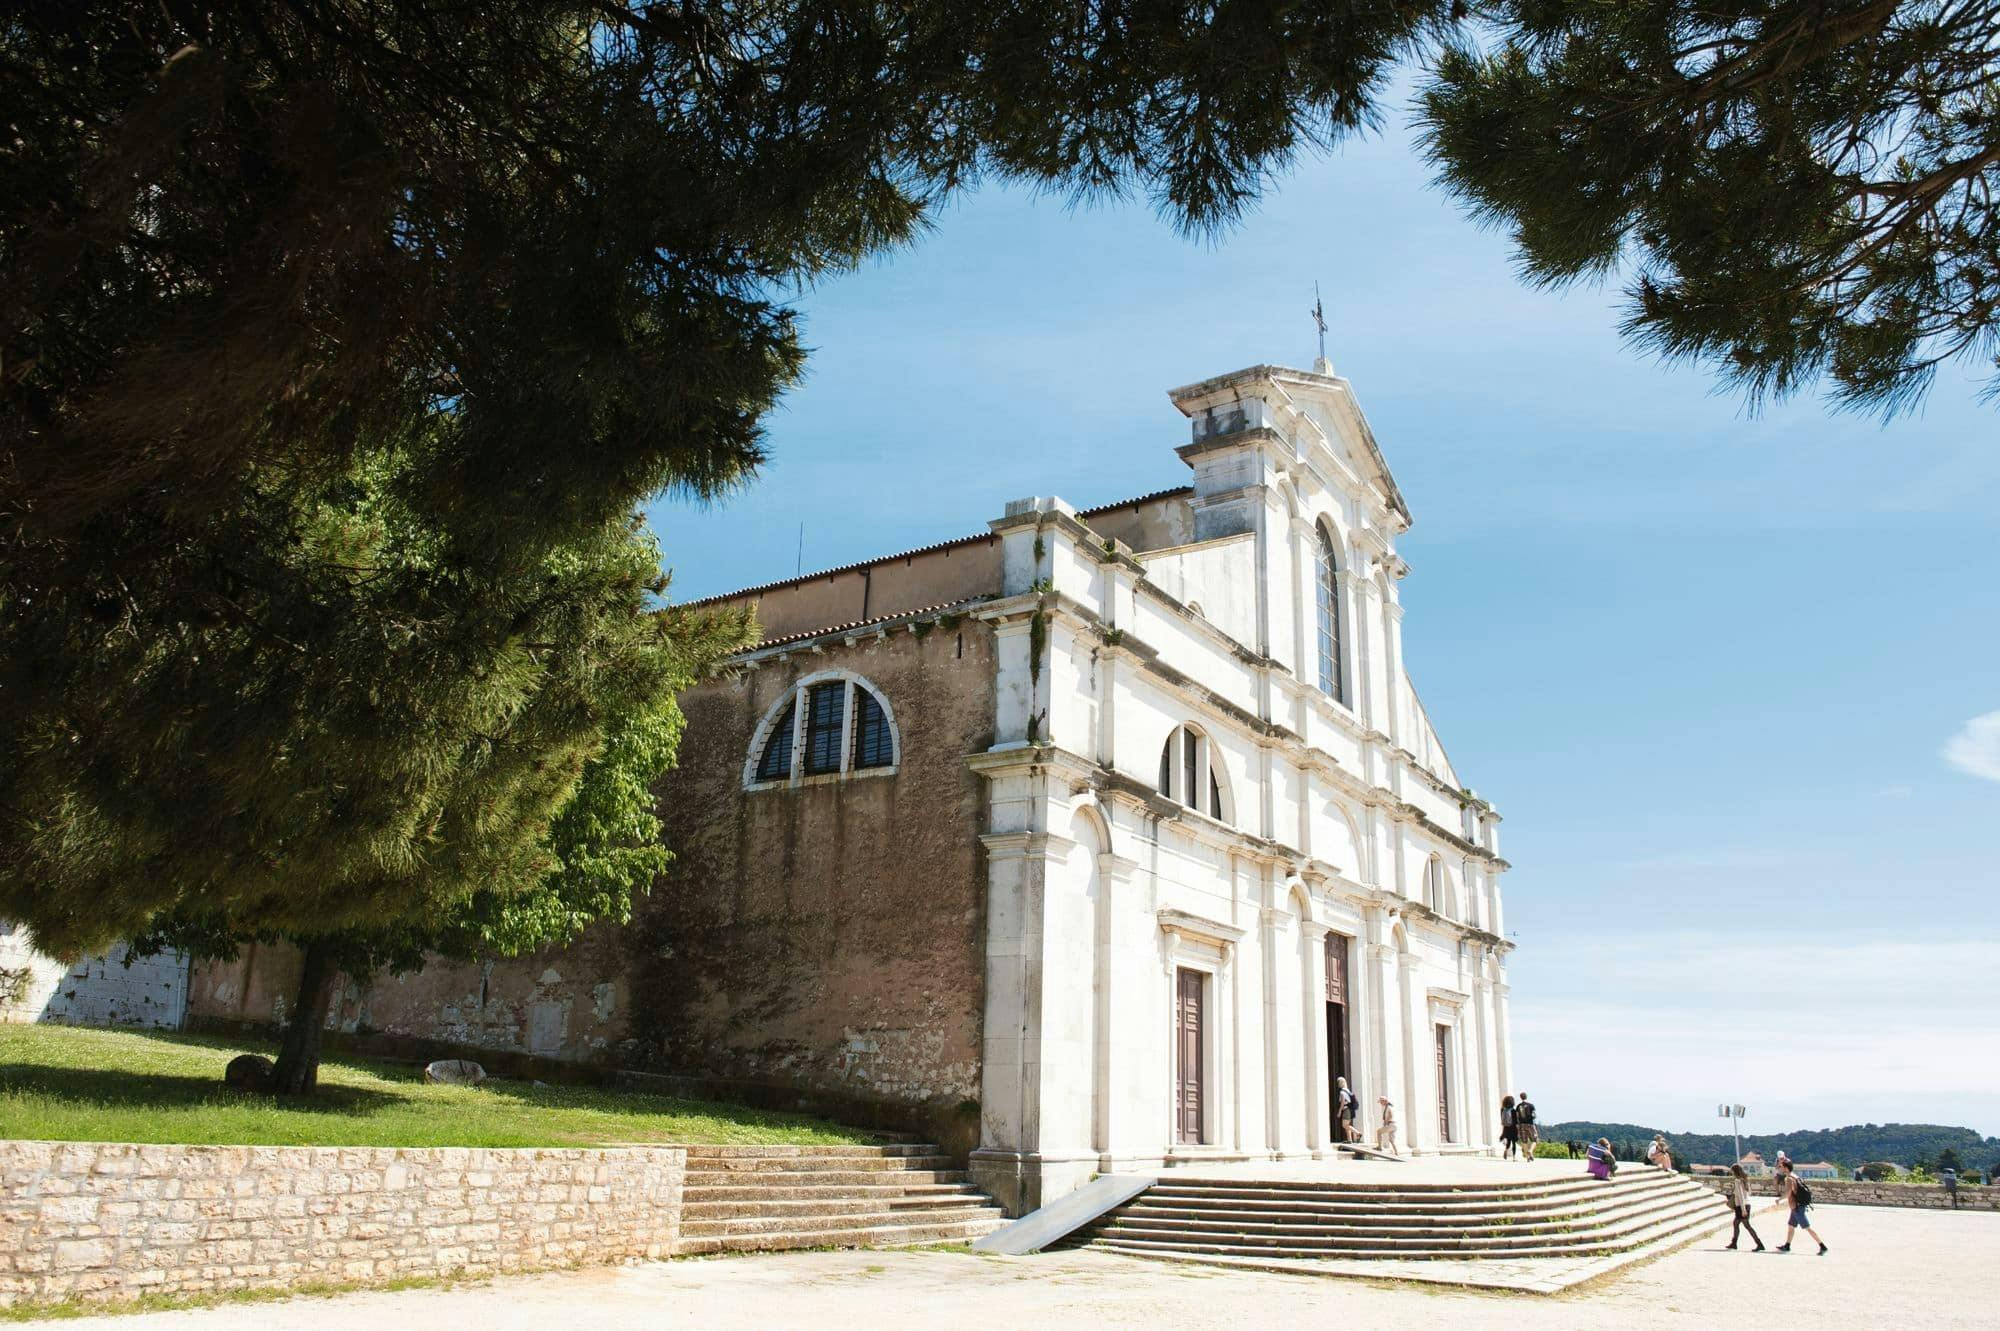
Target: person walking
1524 1125
1796 1196
1660 1153
1385 1130
1950 1180
1739 1204
1508 1137
1602 1161
1348 1106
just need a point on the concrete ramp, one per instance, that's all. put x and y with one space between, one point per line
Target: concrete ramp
1064 1216
1360 1152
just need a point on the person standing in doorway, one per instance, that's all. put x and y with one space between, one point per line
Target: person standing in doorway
1385 1131
1796 1197
1739 1203
1508 1138
1525 1133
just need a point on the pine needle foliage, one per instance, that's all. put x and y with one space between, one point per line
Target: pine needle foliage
1795 190
339 339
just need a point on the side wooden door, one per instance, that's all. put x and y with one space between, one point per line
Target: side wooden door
1189 1074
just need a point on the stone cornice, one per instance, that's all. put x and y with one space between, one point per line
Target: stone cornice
1189 925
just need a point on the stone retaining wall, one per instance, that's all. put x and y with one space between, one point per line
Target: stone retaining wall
109 1220
1844 1192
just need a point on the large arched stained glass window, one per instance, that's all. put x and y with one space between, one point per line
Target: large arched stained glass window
1331 673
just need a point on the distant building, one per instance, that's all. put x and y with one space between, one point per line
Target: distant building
1820 1170
1753 1164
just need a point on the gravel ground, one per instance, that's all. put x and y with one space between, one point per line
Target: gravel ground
1889 1270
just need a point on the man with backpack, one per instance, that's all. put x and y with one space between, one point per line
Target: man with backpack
1797 1196
1524 1125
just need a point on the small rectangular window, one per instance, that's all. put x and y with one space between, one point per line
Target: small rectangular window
826 708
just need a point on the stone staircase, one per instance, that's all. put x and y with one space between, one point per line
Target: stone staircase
1567 1217
770 1198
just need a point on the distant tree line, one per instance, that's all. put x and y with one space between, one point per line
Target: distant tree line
1909 1145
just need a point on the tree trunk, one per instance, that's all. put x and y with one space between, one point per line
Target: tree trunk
298 1056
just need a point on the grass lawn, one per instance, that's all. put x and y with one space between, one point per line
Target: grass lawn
66 1083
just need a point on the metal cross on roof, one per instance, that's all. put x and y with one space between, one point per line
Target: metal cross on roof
1319 320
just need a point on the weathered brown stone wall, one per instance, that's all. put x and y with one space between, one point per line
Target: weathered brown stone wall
1843 1192
109 1220
828 937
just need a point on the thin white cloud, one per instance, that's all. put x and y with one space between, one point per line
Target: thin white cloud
1814 1032
1975 749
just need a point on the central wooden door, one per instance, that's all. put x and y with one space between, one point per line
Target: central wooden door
1188 1069
1444 1085
1336 1028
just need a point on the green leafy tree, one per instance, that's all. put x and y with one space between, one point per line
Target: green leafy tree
339 339
1797 188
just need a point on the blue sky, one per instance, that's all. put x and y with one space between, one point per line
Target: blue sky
1708 664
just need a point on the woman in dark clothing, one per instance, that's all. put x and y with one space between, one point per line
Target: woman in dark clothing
1509 1138
1739 1202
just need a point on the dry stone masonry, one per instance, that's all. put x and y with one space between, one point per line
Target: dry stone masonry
108 1220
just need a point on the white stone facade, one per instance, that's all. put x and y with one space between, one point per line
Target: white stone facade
1158 956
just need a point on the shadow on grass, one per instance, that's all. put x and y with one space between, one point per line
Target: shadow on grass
114 1089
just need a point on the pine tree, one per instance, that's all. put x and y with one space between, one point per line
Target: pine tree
340 338
1794 188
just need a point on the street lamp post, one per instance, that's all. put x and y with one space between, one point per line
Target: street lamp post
1734 1113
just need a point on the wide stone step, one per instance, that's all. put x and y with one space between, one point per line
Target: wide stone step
1249 1203
921 1203
1683 1226
1309 1236
742 1192
840 1222
1411 1196
1306 1222
1339 1213
816 1164
1582 1241
1570 1176
867 1236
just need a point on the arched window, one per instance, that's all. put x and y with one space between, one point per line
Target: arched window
1331 682
825 725
1187 774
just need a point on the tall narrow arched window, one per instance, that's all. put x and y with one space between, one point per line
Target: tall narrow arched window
1328 589
825 725
1190 774
1434 886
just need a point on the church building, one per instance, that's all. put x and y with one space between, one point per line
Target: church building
1098 841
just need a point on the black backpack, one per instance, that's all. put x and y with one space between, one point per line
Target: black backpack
1801 1194
1524 1113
